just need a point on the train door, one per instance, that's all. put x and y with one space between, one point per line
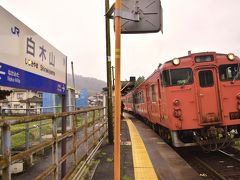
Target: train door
208 96
159 98
148 102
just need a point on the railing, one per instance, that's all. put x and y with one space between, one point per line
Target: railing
38 110
83 134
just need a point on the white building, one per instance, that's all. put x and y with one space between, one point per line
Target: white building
19 100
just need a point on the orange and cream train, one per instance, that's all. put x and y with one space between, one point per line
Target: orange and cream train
192 100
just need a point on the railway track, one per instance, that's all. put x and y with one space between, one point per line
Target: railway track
223 164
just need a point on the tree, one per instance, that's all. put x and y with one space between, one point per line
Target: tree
139 80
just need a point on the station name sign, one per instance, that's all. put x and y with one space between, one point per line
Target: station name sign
28 61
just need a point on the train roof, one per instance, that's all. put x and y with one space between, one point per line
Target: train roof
196 54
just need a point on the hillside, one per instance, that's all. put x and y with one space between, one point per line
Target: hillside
93 85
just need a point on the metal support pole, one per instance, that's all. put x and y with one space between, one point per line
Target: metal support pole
55 149
40 131
74 86
64 129
28 160
117 105
74 128
6 151
93 128
86 131
27 139
109 81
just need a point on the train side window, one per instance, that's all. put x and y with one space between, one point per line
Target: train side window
142 96
139 98
206 78
153 93
161 79
229 72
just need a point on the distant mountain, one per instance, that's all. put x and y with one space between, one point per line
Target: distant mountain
93 85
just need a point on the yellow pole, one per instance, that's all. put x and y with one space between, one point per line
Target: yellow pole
117 102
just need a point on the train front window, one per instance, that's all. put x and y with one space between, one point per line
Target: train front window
177 77
229 72
206 78
205 58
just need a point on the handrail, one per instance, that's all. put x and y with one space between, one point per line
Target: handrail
88 130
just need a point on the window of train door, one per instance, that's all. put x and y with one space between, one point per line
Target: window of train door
208 96
158 85
159 95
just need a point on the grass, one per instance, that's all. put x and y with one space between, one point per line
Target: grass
125 177
89 167
109 160
82 117
237 144
18 131
18 139
104 153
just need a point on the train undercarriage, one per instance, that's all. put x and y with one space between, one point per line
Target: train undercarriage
210 138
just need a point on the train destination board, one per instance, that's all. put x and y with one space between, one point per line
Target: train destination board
28 61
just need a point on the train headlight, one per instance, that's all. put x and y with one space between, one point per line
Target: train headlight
231 56
176 61
176 102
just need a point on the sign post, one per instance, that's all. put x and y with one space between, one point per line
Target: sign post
117 102
130 17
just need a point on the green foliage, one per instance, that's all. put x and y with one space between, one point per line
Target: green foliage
139 80
109 160
18 139
18 130
125 177
104 153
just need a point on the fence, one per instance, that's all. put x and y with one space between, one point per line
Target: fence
28 111
87 128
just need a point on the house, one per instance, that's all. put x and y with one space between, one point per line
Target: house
18 100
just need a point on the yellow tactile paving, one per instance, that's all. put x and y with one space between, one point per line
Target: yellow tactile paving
143 168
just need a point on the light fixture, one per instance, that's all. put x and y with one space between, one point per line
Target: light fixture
176 102
231 56
176 61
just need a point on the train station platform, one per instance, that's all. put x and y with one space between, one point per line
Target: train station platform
144 155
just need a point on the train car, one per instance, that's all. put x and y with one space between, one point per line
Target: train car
128 102
146 98
193 100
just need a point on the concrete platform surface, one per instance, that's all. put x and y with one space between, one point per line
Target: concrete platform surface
153 159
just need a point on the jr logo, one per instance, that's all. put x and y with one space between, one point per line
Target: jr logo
15 30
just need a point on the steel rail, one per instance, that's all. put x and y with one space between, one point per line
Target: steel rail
229 155
210 169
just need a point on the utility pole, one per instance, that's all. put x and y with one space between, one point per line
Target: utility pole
109 81
117 102
113 76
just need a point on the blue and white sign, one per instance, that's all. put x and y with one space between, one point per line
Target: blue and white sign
28 61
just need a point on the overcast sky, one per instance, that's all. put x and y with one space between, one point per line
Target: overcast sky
77 29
